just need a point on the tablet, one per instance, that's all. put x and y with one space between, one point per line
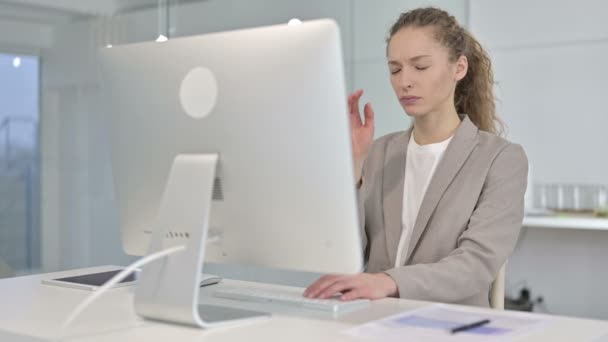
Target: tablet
91 281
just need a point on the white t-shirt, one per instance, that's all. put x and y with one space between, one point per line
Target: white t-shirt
420 165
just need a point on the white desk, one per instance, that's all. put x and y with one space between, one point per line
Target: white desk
31 311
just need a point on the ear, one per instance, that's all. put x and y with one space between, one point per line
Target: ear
462 66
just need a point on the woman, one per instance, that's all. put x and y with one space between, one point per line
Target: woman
441 203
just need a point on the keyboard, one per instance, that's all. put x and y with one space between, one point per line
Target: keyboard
291 299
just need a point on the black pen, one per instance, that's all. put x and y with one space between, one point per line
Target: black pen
469 326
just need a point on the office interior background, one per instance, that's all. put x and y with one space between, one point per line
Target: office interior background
56 195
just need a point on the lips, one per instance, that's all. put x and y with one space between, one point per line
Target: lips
409 100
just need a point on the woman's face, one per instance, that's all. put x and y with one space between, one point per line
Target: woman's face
422 75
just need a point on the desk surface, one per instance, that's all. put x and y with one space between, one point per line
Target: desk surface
32 309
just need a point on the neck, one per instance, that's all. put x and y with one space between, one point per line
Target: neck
435 127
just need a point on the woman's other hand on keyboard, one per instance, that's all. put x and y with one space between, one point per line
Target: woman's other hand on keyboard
359 286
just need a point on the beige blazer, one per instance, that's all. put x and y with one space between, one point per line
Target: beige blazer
468 223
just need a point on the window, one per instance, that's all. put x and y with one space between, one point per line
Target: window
19 164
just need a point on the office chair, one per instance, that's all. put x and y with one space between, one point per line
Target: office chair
497 292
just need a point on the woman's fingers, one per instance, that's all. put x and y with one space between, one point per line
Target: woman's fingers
369 115
340 285
318 286
353 108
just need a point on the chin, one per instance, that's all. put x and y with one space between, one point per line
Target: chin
415 112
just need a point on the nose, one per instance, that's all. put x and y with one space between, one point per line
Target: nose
405 81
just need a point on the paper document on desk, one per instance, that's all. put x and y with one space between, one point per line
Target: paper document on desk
434 324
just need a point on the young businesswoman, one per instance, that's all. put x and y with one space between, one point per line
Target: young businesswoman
441 203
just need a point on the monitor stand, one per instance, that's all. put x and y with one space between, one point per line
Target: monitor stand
168 289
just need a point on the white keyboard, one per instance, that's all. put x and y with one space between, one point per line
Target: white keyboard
296 300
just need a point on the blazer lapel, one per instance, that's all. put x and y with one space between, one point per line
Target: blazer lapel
392 191
457 152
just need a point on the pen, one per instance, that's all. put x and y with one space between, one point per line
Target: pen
469 326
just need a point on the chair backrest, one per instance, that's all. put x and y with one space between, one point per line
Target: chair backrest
497 292
5 270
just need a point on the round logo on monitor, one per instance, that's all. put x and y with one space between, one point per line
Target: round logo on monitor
198 92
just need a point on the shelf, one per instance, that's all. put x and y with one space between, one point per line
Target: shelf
565 222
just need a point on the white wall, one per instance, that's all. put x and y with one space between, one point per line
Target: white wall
25 35
550 65
551 74
78 222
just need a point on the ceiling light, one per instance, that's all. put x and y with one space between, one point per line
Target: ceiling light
294 21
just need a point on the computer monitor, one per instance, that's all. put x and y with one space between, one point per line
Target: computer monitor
271 102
